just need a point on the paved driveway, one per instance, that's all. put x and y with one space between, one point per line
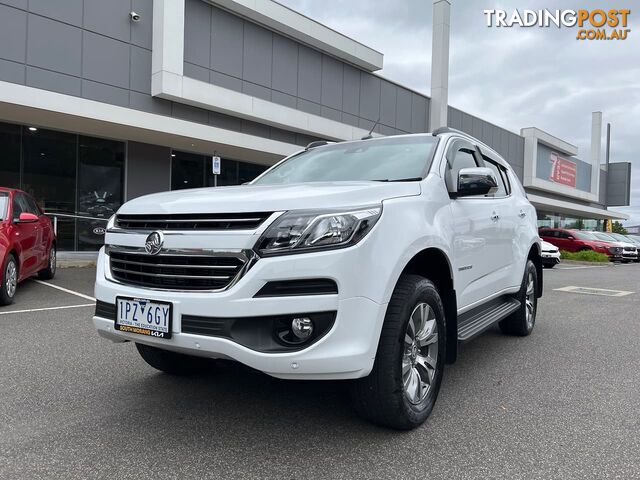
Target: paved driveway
562 403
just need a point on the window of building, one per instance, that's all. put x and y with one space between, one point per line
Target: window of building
248 171
49 175
187 170
100 188
68 176
228 174
9 155
190 170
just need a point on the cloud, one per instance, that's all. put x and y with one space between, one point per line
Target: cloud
513 77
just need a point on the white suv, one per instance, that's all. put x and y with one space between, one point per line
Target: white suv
366 260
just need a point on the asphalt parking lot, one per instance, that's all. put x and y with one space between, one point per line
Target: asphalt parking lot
562 403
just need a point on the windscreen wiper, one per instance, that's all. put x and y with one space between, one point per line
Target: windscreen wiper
412 179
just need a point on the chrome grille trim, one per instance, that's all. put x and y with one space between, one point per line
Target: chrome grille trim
207 274
191 222
170 275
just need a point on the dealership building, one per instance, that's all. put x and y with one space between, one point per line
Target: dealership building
103 101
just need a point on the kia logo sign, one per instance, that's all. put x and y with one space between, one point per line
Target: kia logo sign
99 230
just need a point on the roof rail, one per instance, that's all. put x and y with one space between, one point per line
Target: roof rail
441 130
317 143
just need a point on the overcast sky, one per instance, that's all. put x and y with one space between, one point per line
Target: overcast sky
513 77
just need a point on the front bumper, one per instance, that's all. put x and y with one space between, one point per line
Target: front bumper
550 258
346 351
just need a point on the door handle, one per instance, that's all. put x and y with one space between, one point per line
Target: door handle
495 217
522 214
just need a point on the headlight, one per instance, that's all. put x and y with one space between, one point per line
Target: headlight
312 230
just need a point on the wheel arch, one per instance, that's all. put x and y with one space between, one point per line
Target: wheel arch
536 257
433 263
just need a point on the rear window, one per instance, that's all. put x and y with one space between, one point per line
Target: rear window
4 203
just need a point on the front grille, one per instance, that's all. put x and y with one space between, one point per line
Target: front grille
188 221
176 272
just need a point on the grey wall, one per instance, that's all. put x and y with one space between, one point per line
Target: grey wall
619 184
148 169
228 51
91 49
508 144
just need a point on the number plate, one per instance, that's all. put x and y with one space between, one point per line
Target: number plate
143 316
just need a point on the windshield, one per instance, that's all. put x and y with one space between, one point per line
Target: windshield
4 200
385 159
604 237
620 237
583 235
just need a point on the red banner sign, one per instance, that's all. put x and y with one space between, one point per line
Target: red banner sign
562 170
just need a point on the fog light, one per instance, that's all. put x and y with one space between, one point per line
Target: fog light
302 327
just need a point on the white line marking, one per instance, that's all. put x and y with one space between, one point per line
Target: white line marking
584 266
47 308
594 291
72 292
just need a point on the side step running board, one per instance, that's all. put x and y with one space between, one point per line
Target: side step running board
476 321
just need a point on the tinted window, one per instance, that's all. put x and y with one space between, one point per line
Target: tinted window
4 204
32 205
502 189
463 159
390 158
20 205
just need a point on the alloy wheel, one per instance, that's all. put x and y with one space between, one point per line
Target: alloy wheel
530 299
11 279
52 259
420 355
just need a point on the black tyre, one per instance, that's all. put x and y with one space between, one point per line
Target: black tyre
171 362
50 271
522 321
402 388
549 265
9 281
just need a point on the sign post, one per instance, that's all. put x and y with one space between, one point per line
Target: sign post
215 168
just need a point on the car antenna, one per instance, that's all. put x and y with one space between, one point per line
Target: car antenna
368 135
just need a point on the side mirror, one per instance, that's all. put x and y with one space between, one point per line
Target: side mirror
570 237
476 181
26 217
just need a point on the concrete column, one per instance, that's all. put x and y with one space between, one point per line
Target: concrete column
596 149
440 64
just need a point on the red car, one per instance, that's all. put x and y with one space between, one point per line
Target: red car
576 241
27 242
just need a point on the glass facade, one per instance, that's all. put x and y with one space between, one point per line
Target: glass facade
76 179
558 220
190 170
